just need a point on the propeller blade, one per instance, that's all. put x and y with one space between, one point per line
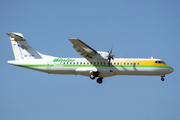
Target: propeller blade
111 49
110 56
109 63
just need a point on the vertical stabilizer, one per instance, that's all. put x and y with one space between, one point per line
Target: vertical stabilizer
21 49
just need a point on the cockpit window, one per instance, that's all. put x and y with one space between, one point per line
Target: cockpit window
160 62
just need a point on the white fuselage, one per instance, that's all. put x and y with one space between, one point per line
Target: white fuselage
81 66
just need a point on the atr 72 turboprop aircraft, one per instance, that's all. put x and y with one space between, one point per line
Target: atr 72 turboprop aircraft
95 64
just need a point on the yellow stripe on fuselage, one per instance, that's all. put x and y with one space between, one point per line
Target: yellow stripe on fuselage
138 62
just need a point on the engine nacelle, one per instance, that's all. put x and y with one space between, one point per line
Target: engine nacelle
101 55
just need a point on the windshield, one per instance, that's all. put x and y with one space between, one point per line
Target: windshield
160 62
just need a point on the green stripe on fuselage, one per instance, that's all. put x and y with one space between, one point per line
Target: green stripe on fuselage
75 65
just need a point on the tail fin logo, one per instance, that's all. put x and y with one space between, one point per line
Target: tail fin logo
23 47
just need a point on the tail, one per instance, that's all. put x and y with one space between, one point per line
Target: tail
21 49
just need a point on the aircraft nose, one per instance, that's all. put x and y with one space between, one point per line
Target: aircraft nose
171 70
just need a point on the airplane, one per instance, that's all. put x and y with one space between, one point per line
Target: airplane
95 64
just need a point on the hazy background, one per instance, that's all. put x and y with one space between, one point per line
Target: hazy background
136 29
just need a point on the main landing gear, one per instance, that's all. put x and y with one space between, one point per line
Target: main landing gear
93 75
162 77
99 80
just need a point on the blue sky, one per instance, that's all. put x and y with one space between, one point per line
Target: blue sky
139 29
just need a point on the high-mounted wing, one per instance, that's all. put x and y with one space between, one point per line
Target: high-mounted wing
83 49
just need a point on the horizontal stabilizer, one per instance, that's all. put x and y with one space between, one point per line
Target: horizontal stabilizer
15 35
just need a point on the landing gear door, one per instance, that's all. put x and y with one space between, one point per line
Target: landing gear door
85 71
106 72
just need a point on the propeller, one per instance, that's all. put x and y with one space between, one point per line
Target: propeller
110 56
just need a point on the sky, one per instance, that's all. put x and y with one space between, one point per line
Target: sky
135 29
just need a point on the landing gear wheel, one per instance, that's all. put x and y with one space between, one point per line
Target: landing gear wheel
99 80
162 77
92 76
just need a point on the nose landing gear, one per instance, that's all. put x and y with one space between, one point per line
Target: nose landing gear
162 77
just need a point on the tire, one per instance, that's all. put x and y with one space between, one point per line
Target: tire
99 80
92 76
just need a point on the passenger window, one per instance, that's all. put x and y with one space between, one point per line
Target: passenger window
159 62
156 62
77 63
70 62
127 63
124 63
114 63
131 63
137 63
134 63
73 62
118 63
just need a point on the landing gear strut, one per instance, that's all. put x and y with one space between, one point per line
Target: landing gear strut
162 77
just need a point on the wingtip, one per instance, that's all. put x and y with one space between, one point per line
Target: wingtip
73 39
